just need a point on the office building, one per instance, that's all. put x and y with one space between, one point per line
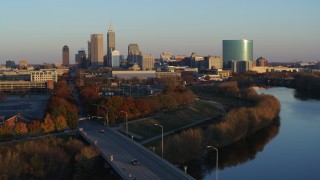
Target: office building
214 62
44 75
113 60
96 50
111 41
134 55
10 64
81 59
261 62
241 66
89 53
147 62
166 56
240 50
23 64
65 55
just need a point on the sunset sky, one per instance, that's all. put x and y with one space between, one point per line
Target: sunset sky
37 30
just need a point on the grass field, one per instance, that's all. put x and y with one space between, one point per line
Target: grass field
172 120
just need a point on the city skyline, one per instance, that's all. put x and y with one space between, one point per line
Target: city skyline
281 31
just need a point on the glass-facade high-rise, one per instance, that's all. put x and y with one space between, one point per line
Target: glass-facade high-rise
240 50
114 61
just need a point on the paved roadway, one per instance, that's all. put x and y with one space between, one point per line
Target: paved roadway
124 150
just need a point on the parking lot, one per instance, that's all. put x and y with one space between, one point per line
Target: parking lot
32 105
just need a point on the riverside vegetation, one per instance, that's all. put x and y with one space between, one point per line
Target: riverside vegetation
307 85
258 112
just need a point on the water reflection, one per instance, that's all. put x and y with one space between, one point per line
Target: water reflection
204 161
236 154
246 149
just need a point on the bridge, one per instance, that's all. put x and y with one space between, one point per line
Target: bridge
119 150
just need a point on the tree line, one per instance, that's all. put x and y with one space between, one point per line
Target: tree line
115 108
51 158
307 85
62 107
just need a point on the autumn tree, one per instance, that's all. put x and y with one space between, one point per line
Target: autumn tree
84 163
20 128
60 123
48 124
142 106
34 128
6 130
177 148
72 119
167 102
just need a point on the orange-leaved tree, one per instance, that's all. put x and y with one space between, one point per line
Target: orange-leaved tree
48 124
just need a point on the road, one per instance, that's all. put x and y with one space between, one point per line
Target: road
124 150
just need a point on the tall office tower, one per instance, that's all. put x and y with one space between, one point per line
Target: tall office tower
89 52
240 50
65 55
261 62
113 60
134 54
111 41
147 62
96 50
81 59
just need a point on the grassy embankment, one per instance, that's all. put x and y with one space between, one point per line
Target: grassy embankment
171 120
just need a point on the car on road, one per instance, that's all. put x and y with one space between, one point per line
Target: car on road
101 130
135 162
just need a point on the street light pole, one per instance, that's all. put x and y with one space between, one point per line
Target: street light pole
161 138
107 116
216 159
97 109
126 122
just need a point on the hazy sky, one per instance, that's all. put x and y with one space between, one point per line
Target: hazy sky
281 30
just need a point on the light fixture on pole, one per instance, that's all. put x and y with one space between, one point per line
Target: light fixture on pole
161 138
126 122
216 159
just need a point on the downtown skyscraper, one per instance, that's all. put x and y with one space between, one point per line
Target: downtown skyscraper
111 41
65 55
96 50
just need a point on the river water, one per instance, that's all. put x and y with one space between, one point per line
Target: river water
288 150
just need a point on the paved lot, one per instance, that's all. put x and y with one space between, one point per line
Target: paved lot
34 105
